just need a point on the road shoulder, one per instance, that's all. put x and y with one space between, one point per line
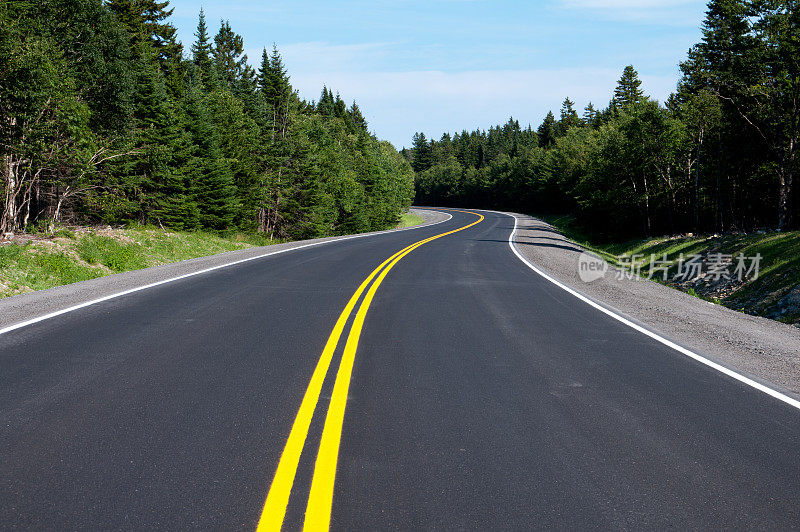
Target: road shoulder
23 307
763 349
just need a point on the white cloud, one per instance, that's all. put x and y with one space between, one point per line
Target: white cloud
310 56
397 104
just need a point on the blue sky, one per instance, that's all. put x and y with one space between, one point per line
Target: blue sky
449 65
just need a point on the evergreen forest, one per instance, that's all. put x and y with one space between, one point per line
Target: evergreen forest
106 118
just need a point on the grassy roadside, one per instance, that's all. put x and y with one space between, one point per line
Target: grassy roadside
775 293
36 262
409 220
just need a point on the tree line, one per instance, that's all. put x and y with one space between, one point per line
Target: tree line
105 118
719 155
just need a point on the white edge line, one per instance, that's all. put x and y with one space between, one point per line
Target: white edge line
205 270
691 354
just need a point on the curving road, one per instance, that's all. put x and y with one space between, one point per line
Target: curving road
478 395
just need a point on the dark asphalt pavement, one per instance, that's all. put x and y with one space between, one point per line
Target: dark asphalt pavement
482 397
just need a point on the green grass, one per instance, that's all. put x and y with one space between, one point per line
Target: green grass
72 255
112 254
69 257
25 268
612 251
409 220
779 269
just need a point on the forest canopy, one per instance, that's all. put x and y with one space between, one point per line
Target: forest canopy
719 155
106 118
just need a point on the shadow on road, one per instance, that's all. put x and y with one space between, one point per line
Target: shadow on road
543 228
538 244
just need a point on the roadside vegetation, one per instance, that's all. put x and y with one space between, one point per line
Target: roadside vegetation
409 219
42 261
774 293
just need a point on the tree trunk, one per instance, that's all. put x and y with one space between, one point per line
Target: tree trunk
262 220
718 214
785 174
697 184
277 205
785 177
57 213
8 221
647 205
784 195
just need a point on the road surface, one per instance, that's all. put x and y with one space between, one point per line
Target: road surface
474 394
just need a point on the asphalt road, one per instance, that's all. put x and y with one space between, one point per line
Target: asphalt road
481 397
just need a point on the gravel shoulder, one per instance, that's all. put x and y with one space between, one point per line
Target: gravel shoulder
19 308
765 350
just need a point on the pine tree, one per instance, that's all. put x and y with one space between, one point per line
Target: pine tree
201 54
276 91
228 55
130 15
246 89
546 131
726 51
777 29
99 54
212 182
144 21
281 109
264 73
749 58
281 87
422 159
339 107
302 192
628 91
326 105
569 118
240 143
164 38
154 175
356 118
590 115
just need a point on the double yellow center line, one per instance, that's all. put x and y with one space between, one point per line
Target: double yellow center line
320 499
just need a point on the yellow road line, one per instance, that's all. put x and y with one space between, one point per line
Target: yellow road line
274 510
320 500
278 497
